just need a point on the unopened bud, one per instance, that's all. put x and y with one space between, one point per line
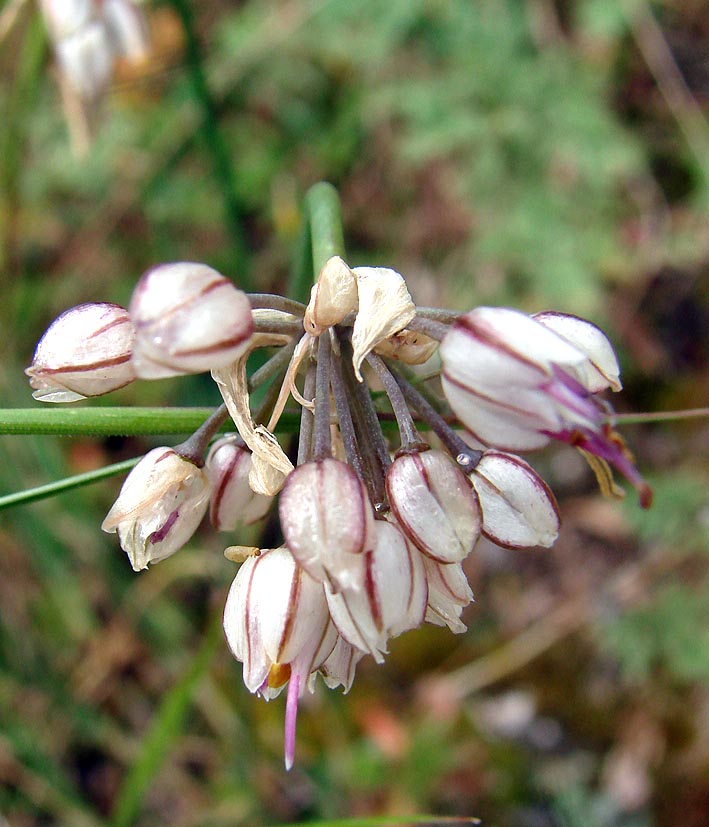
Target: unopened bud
232 502
434 504
85 352
188 319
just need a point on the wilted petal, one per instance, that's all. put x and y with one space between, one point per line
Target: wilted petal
390 596
384 308
332 297
188 319
326 518
408 346
233 502
601 371
269 463
434 504
518 508
85 352
159 507
448 594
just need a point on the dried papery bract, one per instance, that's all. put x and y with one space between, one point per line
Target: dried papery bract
326 518
332 297
384 308
159 507
518 508
448 594
434 504
277 624
85 352
188 319
390 596
233 501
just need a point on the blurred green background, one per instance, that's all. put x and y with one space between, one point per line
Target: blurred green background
525 152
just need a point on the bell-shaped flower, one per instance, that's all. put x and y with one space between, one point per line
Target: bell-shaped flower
448 594
188 319
326 518
389 597
233 502
515 384
277 624
518 507
434 504
84 352
159 507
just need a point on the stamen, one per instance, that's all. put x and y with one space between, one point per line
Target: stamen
291 716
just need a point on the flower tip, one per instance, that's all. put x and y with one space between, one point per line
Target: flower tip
645 494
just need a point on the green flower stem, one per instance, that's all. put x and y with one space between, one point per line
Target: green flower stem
111 421
322 205
41 492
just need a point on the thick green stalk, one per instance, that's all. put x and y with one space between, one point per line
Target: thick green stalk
322 205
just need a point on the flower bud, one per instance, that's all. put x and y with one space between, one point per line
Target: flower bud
326 518
188 319
389 597
232 501
277 624
159 507
85 352
518 508
448 594
434 504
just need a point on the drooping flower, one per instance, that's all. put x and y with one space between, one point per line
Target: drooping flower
327 519
159 507
233 501
389 596
84 352
188 319
515 383
434 504
277 624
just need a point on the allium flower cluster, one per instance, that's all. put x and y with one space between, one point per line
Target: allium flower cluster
375 529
